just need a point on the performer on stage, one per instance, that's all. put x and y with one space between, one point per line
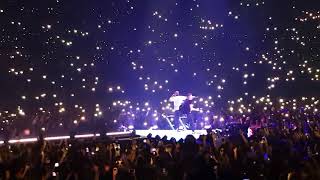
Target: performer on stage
187 108
177 102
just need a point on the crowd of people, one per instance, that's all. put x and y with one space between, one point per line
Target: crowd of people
273 151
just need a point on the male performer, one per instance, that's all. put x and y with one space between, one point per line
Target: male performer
188 108
177 101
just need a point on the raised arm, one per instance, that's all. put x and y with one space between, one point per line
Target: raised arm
244 139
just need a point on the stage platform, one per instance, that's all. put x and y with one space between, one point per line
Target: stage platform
177 134
171 133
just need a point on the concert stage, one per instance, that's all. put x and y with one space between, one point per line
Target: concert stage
142 133
171 133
